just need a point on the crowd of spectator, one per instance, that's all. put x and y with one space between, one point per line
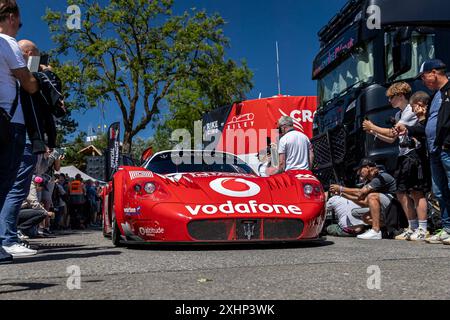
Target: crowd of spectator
74 204
396 206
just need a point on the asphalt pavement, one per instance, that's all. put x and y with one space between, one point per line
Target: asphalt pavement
84 265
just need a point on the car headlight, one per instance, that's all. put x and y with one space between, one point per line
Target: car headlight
149 187
308 189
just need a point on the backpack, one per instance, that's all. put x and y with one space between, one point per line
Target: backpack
394 220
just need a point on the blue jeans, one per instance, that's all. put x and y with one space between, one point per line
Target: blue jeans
440 172
10 159
19 192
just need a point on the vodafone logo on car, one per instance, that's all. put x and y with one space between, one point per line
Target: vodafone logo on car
235 187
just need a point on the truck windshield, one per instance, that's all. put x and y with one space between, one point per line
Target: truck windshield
422 49
357 69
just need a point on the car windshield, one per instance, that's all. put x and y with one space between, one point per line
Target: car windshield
176 162
356 70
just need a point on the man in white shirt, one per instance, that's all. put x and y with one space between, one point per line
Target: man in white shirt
12 69
294 149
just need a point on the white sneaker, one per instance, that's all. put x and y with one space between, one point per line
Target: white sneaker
419 235
405 235
17 250
371 235
439 237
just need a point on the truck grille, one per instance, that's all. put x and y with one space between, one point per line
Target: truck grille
329 154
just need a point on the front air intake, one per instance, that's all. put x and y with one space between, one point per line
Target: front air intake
246 229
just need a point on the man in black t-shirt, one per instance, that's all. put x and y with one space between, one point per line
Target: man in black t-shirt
376 195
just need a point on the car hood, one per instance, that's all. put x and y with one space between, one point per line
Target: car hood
218 188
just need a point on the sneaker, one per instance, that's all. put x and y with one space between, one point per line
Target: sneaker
405 235
22 236
439 237
17 250
25 244
371 235
419 235
446 241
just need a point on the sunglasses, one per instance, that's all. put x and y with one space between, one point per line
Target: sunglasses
392 97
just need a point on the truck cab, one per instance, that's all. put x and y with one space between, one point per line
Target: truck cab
365 48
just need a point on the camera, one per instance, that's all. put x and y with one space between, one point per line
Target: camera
44 59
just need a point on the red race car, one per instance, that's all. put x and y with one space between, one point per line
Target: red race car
199 197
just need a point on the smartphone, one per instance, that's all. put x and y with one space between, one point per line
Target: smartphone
44 59
33 63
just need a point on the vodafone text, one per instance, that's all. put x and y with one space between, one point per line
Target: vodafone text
244 208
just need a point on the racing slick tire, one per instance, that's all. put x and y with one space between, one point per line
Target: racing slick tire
115 235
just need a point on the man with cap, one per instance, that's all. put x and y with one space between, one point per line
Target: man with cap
294 149
12 70
437 130
376 194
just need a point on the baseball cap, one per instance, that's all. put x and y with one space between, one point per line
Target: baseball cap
365 163
430 65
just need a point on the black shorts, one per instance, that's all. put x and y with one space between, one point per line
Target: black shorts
411 174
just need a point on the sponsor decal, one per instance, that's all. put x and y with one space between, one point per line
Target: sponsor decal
132 211
299 116
212 128
140 174
242 122
220 174
232 187
150 232
251 207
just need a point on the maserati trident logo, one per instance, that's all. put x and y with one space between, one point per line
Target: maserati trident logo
232 187
249 229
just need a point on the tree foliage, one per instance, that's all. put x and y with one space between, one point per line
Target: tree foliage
140 55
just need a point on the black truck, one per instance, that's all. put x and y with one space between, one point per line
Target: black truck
366 47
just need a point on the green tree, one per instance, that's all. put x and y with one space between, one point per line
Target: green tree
145 58
65 127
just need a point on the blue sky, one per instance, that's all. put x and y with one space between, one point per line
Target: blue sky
252 26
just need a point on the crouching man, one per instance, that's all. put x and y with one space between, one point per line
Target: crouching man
376 195
348 225
32 213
